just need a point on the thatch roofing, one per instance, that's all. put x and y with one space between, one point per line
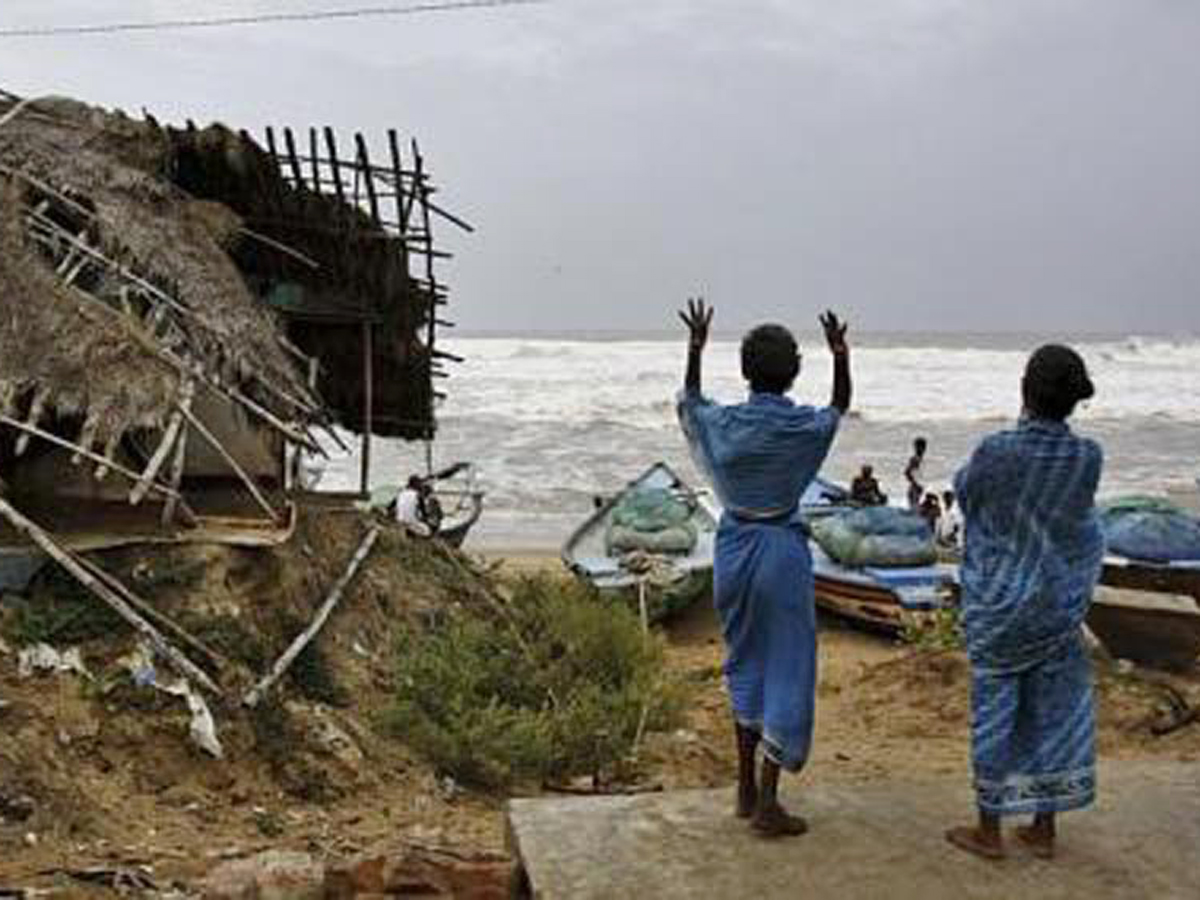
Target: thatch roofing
156 297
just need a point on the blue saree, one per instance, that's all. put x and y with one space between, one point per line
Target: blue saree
1032 557
760 456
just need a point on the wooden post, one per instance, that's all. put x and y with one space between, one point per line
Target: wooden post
254 696
368 404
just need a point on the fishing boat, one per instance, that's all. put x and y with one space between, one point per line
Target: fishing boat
457 497
1148 610
658 583
879 598
1154 616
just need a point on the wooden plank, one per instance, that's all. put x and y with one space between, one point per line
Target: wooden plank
255 695
45 541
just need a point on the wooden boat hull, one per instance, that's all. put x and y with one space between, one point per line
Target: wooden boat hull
454 532
874 607
1151 634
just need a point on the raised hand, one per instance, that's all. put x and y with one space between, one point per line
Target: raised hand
835 332
698 318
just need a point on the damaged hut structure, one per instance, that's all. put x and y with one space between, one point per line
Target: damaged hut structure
185 312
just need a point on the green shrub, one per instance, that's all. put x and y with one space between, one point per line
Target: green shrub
61 612
558 687
937 630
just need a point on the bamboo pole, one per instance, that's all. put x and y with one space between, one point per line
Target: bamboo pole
289 140
156 617
211 439
87 454
170 436
255 695
364 162
40 398
110 448
177 467
63 557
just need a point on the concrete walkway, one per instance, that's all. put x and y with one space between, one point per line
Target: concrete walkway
879 840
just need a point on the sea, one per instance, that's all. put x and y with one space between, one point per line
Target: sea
553 420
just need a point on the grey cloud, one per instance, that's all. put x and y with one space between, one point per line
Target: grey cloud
919 163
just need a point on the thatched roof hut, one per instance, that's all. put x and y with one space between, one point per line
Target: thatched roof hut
158 282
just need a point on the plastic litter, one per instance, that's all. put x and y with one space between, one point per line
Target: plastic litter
203 728
44 658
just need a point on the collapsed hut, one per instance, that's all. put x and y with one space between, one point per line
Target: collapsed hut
184 310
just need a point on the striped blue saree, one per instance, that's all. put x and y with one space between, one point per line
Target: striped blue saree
1032 557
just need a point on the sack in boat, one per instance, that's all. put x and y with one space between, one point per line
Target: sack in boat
881 536
651 519
679 539
1150 529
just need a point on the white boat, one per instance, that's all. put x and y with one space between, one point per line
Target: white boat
668 582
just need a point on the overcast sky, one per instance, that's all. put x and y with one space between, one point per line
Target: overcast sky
917 164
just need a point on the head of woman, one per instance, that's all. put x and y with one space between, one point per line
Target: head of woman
1056 381
770 359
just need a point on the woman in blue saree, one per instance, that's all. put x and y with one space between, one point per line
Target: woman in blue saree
760 456
1032 557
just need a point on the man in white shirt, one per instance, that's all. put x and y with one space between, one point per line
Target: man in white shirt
408 507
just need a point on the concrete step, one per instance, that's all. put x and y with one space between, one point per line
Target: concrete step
877 840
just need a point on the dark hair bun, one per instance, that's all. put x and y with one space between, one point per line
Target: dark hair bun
1056 379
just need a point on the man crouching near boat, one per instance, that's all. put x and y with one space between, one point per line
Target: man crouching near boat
760 456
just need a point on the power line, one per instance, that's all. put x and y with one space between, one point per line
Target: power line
263 18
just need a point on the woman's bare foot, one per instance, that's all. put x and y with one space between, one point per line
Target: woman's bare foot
978 841
772 820
1037 839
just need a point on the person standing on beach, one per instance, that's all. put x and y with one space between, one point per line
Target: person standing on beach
1032 558
760 456
912 474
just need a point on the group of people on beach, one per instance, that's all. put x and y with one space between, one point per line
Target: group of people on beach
1032 552
941 513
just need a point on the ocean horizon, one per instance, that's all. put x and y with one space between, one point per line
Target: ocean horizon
553 419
